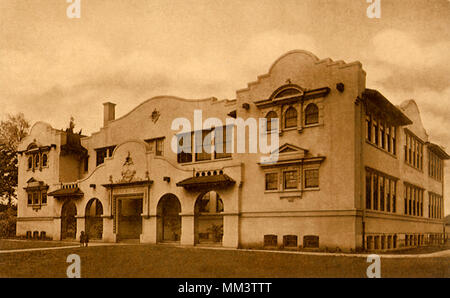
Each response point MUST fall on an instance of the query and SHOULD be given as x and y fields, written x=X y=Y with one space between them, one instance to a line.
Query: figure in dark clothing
x=82 y=239
x=86 y=239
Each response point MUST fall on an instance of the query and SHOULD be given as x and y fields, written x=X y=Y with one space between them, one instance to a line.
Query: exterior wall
x=334 y=211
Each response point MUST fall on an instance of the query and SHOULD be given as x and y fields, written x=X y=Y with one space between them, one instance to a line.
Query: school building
x=353 y=170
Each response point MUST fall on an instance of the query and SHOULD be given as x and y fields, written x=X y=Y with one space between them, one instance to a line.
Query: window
x=290 y=118
x=290 y=240
x=271 y=115
x=36 y=161
x=44 y=198
x=413 y=151
x=368 y=127
x=380 y=132
x=203 y=145
x=435 y=204
x=311 y=178
x=102 y=153
x=380 y=191
x=271 y=181
x=290 y=179
x=184 y=153
x=44 y=160
x=30 y=162
x=311 y=114
x=37 y=197
x=270 y=240
x=222 y=140
x=435 y=166
x=159 y=147
x=413 y=200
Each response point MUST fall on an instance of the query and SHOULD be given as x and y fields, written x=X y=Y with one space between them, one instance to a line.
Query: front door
x=129 y=218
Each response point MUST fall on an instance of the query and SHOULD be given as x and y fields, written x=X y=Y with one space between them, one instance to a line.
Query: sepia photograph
x=223 y=147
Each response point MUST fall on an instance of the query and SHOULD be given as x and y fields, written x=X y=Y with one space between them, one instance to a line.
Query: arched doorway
x=169 y=219
x=68 y=220
x=208 y=218
x=93 y=219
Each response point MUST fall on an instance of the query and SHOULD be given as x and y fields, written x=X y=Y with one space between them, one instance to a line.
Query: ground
x=134 y=260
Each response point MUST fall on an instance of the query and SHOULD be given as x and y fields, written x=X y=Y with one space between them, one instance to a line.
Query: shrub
x=8 y=223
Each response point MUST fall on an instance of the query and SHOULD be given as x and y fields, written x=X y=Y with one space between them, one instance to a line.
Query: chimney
x=109 y=113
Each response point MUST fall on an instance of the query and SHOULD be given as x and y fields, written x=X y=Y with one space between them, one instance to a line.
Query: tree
x=12 y=132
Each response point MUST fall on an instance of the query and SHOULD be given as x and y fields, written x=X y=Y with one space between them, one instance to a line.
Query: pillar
x=187 y=229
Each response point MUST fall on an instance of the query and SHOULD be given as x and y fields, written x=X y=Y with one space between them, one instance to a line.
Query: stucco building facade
x=353 y=170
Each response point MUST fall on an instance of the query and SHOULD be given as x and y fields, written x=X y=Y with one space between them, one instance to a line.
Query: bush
x=8 y=222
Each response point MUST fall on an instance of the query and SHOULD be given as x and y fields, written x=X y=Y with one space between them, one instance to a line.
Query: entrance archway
x=169 y=219
x=129 y=218
x=208 y=218
x=93 y=219
x=68 y=220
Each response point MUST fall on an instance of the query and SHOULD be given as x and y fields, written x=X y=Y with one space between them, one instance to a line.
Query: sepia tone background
x=126 y=51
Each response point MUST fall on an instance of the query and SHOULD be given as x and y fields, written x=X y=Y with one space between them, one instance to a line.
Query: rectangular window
x=35 y=198
x=368 y=128
x=382 y=193
x=375 y=131
x=388 y=138
x=383 y=136
x=312 y=178
x=271 y=181
x=222 y=140
x=203 y=145
x=30 y=199
x=394 y=196
x=394 y=142
x=159 y=147
x=184 y=149
x=44 y=198
x=375 y=192
x=368 y=190
x=413 y=151
x=290 y=179
x=388 y=195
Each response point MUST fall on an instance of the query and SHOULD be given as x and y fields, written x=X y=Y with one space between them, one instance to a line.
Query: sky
x=125 y=51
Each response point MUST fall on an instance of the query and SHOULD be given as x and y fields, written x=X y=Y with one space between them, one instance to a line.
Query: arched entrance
x=93 y=219
x=169 y=219
x=68 y=220
x=208 y=218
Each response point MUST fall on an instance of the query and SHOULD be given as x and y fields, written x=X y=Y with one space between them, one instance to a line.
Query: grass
x=166 y=261
x=7 y=244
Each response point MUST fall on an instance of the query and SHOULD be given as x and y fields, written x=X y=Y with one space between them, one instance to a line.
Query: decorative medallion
x=128 y=170
x=155 y=115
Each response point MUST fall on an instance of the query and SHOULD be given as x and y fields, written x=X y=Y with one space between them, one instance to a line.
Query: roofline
x=386 y=104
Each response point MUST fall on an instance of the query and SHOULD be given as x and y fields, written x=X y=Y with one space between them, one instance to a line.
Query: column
x=231 y=230
x=187 y=229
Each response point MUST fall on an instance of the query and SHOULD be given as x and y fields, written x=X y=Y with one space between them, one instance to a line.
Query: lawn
x=168 y=261
x=8 y=244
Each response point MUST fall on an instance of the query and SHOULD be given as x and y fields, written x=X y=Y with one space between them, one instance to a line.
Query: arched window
x=311 y=114
x=30 y=162
x=44 y=160
x=36 y=161
x=290 y=118
x=271 y=115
